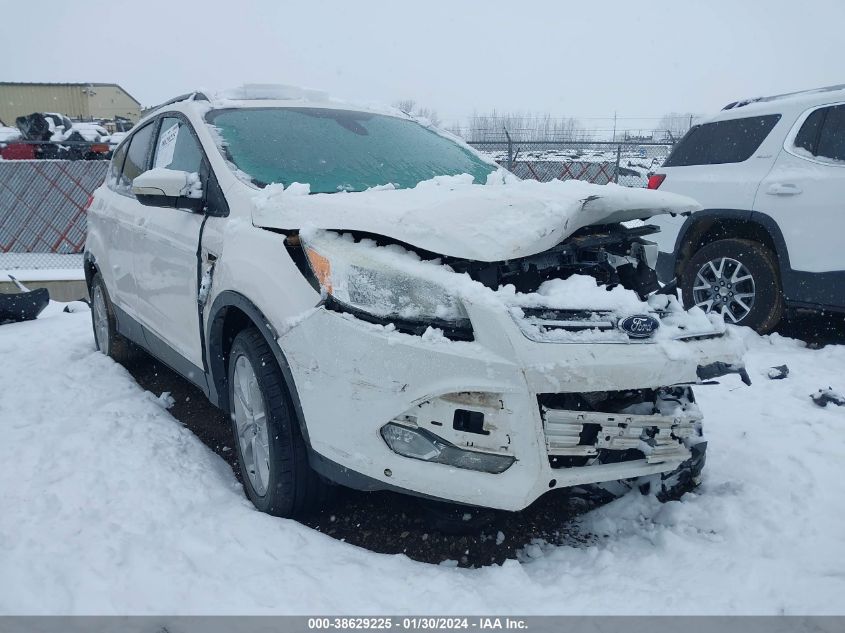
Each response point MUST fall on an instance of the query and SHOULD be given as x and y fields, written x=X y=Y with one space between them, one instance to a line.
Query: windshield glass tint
x=731 y=141
x=338 y=150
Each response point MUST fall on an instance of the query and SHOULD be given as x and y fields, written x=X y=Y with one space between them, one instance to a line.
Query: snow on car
x=9 y=134
x=414 y=305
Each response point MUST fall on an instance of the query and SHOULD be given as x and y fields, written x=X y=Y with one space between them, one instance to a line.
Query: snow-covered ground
x=109 y=505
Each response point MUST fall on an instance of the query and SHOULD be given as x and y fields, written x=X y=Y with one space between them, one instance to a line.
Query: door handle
x=783 y=189
x=140 y=221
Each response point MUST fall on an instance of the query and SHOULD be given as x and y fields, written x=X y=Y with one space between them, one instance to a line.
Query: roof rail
x=190 y=96
x=745 y=102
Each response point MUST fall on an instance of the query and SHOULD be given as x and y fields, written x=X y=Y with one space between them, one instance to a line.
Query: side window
x=136 y=157
x=176 y=147
x=808 y=135
x=822 y=135
x=116 y=166
x=832 y=136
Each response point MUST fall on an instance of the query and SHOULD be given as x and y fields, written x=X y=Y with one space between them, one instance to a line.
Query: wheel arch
x=232 y=312
x=704 y=227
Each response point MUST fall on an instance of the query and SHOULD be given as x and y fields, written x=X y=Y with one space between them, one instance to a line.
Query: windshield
x=338 y=150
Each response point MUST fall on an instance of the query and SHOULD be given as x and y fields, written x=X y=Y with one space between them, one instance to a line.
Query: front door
x=165 y=256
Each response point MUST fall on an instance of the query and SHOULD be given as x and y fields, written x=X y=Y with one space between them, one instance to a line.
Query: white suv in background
x=377 y=305
x=770 y=175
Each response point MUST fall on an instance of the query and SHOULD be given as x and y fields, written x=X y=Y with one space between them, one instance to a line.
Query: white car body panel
x=112 y=224
x=351 y=377
x=165 y=270
x=806 y=197
x=391 y=373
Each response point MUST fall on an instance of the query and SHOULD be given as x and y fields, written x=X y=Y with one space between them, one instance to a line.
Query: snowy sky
x=585 y=59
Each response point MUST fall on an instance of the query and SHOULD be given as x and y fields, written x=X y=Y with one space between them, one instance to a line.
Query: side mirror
x=169 y=188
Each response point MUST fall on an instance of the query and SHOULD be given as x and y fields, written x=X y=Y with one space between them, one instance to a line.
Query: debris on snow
x=779 y=372
x=828 y=395
x=77 y=306
x=165 y=400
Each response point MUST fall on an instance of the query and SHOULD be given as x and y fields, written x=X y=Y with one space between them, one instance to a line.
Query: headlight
x=386 y=282
x=418 y=443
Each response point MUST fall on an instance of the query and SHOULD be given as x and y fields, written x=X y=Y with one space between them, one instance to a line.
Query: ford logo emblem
x=639 y=325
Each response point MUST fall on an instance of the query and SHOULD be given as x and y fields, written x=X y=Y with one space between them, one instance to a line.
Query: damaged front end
x=564 y=368
x=613 y=254
x=647 y=426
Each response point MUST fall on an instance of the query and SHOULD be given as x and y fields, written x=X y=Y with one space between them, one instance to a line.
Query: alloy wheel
x=724 y=285
x=251 y=425
x=101 y=319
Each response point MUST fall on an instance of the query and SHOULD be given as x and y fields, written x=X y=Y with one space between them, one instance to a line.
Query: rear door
x=805 y=190
x=165 y=256
x=118 y=219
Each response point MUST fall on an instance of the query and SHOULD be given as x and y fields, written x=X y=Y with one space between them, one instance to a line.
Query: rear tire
x=271 y=451
x=737 y=278
x=106 y=338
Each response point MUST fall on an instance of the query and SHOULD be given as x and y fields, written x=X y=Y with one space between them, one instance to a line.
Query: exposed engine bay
x=612 y=253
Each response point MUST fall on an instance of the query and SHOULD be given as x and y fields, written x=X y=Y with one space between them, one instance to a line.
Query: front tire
x=106 y=338
x=738 y=279
x=272 y=454
x=669 y=486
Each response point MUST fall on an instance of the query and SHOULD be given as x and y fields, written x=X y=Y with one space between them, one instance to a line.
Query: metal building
x=78 y=101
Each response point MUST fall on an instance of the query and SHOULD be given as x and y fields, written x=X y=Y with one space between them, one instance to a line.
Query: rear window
x=722 y=141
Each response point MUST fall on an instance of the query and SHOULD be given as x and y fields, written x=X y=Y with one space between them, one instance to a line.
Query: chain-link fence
x=42 y=202
x=42 y=211
x=624 y=162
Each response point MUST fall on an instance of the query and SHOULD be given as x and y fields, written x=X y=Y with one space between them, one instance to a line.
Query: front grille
x=550 y=325
x=572 y=320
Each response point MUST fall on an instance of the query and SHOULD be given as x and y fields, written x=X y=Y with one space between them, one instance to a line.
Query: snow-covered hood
x=504 y=219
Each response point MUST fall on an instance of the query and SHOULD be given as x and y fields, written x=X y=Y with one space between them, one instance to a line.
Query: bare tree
x=675 y=124
x=410 y=106
x=406 y=105
x=523 y=126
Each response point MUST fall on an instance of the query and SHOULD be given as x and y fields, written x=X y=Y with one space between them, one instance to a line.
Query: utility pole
x=614 y=126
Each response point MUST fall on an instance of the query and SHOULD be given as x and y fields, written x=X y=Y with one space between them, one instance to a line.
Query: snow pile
x=116 y=138
x=111 y=506
x=582 y=292
x=449 y=215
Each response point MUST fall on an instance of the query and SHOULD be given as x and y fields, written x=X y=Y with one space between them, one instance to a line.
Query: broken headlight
x=387 y=282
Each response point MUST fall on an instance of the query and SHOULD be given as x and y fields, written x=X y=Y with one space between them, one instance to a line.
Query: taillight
x=100 y=148
x=655 y=180
x=89 y=203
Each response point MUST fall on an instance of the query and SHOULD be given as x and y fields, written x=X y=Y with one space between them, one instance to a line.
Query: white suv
x=394 y=311
x=770 y=174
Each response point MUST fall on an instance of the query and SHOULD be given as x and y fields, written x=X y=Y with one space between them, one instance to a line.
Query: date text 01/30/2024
x=417 y=623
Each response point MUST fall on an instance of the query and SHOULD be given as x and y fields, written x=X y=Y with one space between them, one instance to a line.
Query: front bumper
x=353 y=377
